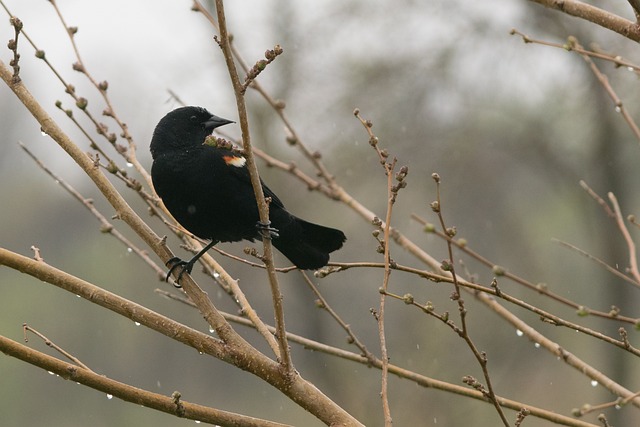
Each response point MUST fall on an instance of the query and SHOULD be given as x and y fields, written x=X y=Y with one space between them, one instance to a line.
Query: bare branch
x=263 y=208
x=13 y=46
x=633 y=259
x=604 y=81
x=388 y=167
x=573 y=45
x=598 y=261
x=405 y=373
x=109 y=111
x=129 y=393
x=105 y=225
x=540 y=288
x=54 y=346
x=449 y=265
x=595 y=15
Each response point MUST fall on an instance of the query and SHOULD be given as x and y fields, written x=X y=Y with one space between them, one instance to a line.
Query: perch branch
x=263 y=207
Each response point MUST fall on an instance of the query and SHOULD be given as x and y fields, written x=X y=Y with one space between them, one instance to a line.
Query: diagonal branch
x=244 y=357
x=633 y=259
x=130 y=153
x=105 y=225
x=601 y=17
x=169 y=404
x=604 y=81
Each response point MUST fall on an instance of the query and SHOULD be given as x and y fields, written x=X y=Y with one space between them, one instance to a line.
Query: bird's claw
x=266 y=231
x=174 y=263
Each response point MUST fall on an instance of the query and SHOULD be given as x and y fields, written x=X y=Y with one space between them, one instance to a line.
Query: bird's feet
x=266 y=231
x=186 y=266
x=175 y=262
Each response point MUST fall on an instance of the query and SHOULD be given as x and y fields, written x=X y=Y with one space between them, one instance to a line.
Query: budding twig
x=13 y=46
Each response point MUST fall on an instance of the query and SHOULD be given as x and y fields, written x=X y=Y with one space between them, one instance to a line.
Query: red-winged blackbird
x=208 y=190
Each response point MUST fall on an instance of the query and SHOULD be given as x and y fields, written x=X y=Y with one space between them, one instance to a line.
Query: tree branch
x=263 y=207
x=598 y=16
x=168 y=404
x=369 y=360
x=633 y=259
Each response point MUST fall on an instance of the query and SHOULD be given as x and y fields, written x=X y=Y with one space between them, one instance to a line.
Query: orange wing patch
x=236 y=161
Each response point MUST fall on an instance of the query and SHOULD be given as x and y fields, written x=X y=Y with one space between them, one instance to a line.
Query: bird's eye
x=193 y=119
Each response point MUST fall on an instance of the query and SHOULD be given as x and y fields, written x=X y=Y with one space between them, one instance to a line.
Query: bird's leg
x=187 y=266
x=266 y=231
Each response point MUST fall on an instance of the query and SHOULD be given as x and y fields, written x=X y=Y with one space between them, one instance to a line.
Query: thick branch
x=370 y=360
x=244 y=357
x=598 y=16
x=126 y=392
x=129 y=309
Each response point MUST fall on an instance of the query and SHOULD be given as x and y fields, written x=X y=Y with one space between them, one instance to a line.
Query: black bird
x=208 y=191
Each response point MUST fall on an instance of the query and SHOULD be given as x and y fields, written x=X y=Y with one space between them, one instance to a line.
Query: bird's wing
x=268 y=193
x=237 y=164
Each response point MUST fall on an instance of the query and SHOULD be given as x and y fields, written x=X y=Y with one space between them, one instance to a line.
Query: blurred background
x=510 y=127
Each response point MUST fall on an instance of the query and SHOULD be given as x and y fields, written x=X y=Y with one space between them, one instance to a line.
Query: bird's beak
x=214 y=122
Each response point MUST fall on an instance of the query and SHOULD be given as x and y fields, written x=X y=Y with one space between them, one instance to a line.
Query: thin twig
x=54 y=346
x=384 y=354
x=600 y=262
x=130 y=153
x=617 y=60
x=604 y=81
x=448 y=265
x=324 y=304
x=392 y=193
x=597 y=198
x=574 y=45
x=105 y=225
x=540 y=288
x=633 y=260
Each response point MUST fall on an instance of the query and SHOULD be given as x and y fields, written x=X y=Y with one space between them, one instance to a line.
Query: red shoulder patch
x=237 y=161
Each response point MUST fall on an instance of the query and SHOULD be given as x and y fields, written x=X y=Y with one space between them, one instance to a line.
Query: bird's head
x=184 y=127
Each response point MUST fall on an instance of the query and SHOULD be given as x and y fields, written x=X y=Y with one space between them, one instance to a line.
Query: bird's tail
x=306 y=245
